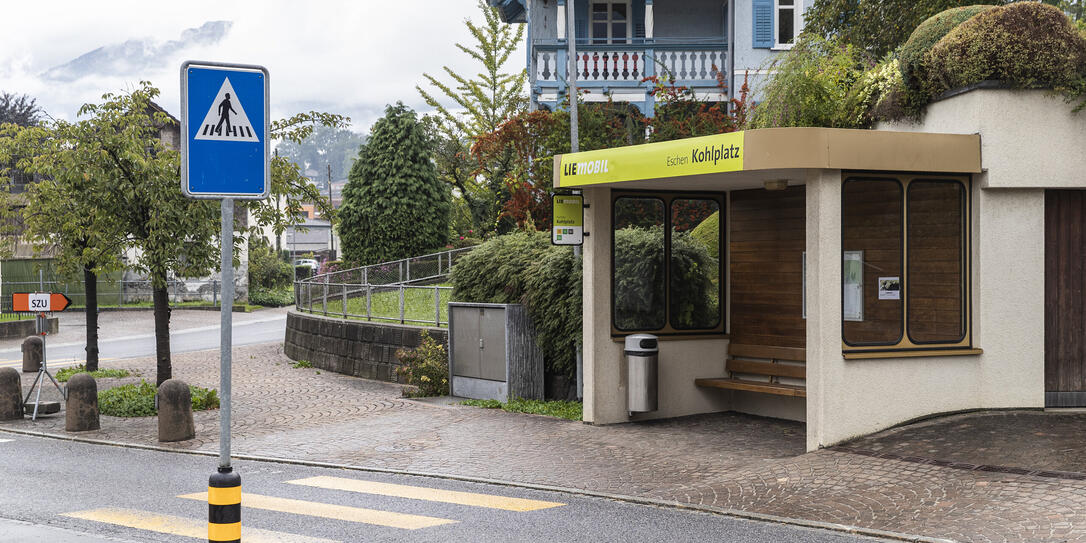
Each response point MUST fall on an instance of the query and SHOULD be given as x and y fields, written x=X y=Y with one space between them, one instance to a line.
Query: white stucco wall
x=1029 y=138
x=1026 y=139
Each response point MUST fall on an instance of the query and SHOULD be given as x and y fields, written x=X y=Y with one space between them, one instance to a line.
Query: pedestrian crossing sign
x=225 y=149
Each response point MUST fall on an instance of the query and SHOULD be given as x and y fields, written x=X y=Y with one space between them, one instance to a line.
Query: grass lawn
x=553 y=408
x=385 y=306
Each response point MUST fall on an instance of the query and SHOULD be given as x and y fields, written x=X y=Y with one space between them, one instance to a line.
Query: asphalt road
x=62 y=491
x=130 y=334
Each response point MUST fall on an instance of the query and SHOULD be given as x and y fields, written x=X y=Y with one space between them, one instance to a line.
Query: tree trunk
x=90 y=286
x=162 y=332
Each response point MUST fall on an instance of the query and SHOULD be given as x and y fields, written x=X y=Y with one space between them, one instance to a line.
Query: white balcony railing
x=605 y=65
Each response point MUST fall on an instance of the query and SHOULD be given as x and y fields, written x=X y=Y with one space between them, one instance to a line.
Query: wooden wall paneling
x=766 y=244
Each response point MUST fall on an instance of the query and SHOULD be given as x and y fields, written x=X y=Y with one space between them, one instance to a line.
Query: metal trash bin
x=642 y=361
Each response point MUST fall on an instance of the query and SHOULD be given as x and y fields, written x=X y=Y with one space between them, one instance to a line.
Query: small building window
x=610 y=22
x=910 y=235
x=666 y=251
x=786 y=22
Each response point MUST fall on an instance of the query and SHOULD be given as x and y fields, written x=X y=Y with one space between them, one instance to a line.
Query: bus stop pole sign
x=225 y=155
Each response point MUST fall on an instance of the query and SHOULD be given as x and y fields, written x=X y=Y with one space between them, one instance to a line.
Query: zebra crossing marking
x=490 y=501
x=226 y=119
x=336 y=512
x=184 y=527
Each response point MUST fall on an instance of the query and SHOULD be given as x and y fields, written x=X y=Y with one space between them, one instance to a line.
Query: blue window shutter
x=638 y=8
x=763 y=24
x=581 y=12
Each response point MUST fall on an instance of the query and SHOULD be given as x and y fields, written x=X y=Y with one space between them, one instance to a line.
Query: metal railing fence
x=393 y=291
x=405 y=304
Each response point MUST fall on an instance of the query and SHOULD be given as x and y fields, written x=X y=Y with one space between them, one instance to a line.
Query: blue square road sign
x=225 y=149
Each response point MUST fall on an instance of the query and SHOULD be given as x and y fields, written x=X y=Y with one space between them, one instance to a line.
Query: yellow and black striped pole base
x=224 y=507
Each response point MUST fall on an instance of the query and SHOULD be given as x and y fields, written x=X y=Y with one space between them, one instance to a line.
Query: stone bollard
x=11 y=395
x=81 y=411
x=32 y=354
x=175 y=411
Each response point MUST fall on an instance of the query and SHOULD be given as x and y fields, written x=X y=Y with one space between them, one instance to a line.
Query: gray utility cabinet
x=492 y=352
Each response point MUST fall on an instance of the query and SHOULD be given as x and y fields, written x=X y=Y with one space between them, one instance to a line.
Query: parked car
x=306 y=262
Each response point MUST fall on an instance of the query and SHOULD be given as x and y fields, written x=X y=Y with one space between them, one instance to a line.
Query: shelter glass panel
x=936 y=226
x=695 y=279
x=873 y=222
x=638 y=255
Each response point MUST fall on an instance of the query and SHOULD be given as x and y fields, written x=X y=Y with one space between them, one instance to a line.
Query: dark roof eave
x=511 y=11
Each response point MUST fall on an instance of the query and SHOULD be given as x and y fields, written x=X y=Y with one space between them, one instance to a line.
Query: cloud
x=350 y=57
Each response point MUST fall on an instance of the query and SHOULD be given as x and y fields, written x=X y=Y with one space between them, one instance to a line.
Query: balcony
x=693 y=63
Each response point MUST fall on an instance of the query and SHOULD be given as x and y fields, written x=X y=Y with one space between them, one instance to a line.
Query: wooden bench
x=765 y=364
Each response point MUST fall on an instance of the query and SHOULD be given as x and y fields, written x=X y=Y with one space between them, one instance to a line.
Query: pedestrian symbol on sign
x=226 y=119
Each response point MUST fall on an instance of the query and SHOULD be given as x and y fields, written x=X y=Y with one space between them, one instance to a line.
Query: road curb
x=735 y=513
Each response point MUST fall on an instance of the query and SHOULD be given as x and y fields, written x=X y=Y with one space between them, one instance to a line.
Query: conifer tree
x=394 y=204
x=476 y=105
x=491 y=96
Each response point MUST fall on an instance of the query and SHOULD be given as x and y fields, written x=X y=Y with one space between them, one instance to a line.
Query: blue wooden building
x=708 y=46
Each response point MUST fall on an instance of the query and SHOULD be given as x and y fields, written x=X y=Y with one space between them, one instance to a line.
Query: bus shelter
x=845 y=278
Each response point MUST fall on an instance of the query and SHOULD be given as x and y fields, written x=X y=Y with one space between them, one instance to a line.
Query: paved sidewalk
x=723 y=461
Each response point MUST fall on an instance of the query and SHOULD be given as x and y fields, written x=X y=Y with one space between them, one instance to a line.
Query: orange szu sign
x=39 y=302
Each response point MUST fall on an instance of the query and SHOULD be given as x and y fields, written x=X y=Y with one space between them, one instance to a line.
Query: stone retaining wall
x=359 y=348
x=20 y=329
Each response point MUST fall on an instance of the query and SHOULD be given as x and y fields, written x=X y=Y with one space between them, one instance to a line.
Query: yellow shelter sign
x=692 y=156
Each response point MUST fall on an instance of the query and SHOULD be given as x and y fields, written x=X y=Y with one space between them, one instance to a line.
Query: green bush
x=523 y=267
x=494 y=271
x=927 y=34
x=1025 y=44
x=552 y=293
x=266 y=270
x=272 y=297
x=880 y=94
x=64 y=374
x=425 y=367
x=138 y=400
x=810 y=86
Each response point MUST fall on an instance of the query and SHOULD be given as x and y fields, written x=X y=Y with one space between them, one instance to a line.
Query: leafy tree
x=289 y=187
x=171 y=234
x=810 y=85
x=394 y=205
x=876 y=27
x=477 y=105
x=21 y=110
x=492 y=96
x=326 y=145
x=63 y=210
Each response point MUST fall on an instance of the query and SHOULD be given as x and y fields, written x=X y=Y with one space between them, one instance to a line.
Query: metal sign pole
x=227 y=315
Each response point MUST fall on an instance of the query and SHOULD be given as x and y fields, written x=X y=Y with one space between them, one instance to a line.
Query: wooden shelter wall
x=766 y=243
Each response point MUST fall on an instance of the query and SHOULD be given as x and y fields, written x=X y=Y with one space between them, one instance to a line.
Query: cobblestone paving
x=722 y=460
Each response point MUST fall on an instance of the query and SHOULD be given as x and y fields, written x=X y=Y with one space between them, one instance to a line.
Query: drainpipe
x=532 y=102
x=574 y=144
x=731 y=55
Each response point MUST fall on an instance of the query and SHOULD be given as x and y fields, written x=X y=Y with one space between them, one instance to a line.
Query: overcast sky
x=349 y=57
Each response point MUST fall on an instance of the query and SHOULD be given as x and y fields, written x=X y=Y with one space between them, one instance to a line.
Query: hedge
x=1026 y=44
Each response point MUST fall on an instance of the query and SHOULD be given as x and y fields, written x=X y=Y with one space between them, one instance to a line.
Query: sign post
x=40 y=303
x=225 y=155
